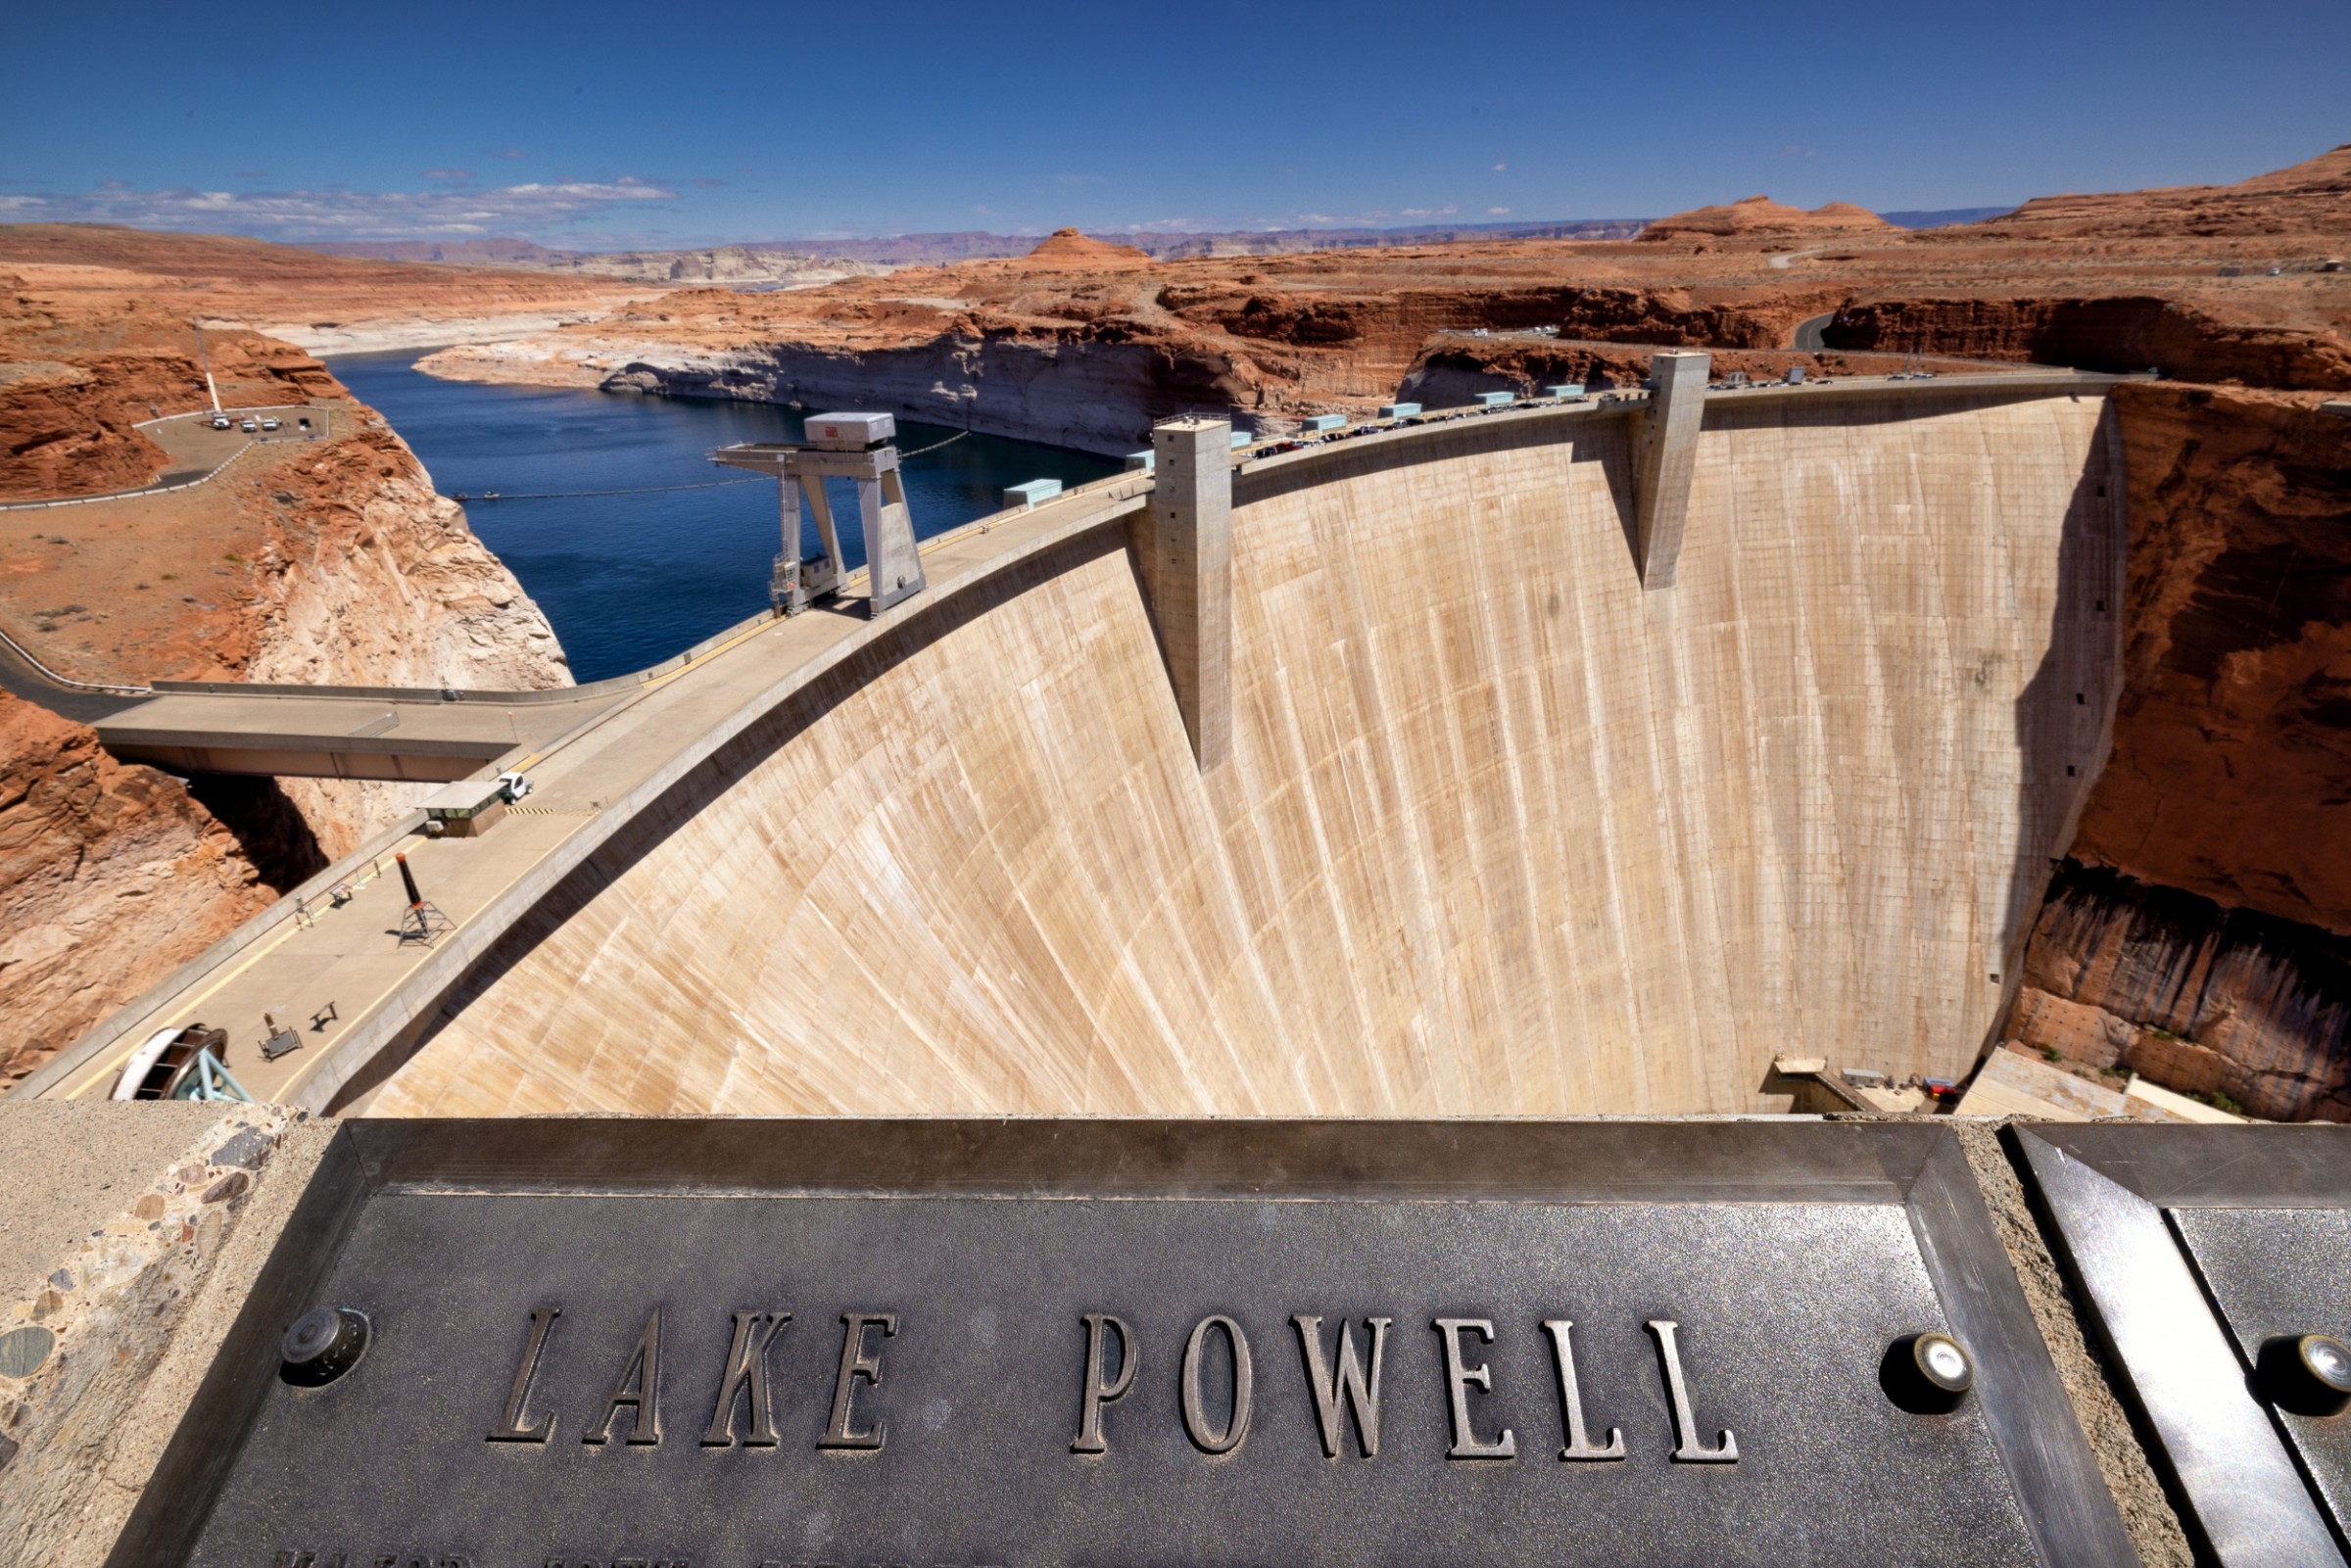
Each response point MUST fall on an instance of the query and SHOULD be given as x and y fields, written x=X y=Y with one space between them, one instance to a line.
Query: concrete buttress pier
x=1666 y=456
x=1183 y=545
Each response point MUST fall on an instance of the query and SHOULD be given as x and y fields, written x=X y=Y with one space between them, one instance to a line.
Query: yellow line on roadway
x=294 y=925
x=736 y=641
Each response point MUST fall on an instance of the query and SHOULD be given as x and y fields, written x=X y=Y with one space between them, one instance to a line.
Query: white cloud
x=1499 y=167
x=341 y=214
x=1498 y=211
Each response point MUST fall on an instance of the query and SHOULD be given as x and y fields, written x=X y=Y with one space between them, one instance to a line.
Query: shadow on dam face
x=1500 y=834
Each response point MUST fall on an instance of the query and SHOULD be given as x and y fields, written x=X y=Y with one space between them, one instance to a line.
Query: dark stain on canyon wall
x=2197 y=997
x=2202 y=934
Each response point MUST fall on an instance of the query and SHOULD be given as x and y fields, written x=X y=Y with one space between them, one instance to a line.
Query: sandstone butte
x=1762 y=217
x=2200 y=931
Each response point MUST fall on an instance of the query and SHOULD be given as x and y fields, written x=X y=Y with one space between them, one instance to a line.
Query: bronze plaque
x=735 y=1344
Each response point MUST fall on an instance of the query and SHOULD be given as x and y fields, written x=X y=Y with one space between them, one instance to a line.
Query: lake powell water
x=627 y=580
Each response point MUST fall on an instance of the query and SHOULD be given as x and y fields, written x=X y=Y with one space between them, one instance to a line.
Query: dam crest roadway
x=1503 y=819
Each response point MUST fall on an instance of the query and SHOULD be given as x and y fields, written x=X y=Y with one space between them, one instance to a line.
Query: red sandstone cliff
x=2310 y=201
x=2230 y=776
x=307 y=561
x=110 y=876
x=2219 y=959
x=1090 y=358
x=2120 y=333
x=2200 y=998
x=74 y=384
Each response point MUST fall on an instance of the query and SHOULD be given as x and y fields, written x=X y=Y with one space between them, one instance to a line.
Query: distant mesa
x=1067 y=247
x=1760 y=215
x=2308 y=203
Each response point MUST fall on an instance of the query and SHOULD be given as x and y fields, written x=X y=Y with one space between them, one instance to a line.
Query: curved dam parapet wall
x=1502 y=832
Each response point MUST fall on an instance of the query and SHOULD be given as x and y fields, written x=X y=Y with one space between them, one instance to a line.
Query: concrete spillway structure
x=1500 y=831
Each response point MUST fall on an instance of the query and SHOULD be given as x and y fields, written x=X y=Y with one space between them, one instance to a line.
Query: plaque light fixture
x=1927 y=1373
x=2308 y=1374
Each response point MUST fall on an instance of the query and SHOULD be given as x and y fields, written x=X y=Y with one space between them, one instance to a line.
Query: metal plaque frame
x=2106 y=1189
x=1921 y=1168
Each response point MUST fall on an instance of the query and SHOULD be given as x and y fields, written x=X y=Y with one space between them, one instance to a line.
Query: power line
x=934 y=445
x=657 y=490
x=581 y=494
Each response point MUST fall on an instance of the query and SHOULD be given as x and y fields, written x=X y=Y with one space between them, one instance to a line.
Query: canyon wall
x=1502 y=832
x=2117 y=333
x=2244 y=1010
x=328 y=561
x=73 y=391
x=110 y=876
x=371 y=578
x=1086 y=362
x=2216 y=962
x=1099 y=396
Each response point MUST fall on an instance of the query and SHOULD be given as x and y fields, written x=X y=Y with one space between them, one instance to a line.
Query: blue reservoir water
x=629 y=580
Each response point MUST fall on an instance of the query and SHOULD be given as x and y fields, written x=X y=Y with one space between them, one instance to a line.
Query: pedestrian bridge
x=1457 y=775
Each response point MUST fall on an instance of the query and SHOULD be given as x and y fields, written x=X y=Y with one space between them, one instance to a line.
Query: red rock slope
x=110 y=877
x=2310 y=199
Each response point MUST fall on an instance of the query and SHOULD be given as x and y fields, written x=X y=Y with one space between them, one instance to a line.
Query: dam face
x=1500 y=832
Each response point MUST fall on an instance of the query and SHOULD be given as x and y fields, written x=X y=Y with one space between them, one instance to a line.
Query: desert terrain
x=1085 y=342
x=302 y=560
x=321 y=303
x=2198 y=932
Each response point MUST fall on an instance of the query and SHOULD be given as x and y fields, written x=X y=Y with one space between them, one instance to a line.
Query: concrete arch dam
x=1501 y=831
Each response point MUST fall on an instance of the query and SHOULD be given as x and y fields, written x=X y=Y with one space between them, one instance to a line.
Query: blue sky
x=688 y=125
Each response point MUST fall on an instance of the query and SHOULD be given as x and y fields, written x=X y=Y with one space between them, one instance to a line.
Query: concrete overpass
x=278 y=733
x=1878 y=582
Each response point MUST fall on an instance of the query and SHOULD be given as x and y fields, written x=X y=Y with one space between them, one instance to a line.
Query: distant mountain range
x=971 y=245
x=916 y=249
x=779 y=263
